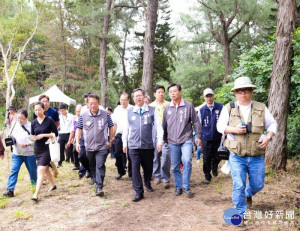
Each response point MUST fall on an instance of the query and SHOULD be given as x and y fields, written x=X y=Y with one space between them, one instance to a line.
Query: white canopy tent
x=55 y=95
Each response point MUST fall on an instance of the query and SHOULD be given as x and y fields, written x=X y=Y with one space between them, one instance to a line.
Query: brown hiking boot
x=249 y=202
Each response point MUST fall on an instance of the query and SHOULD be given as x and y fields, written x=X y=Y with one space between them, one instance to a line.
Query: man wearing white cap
x=245 y=122
x=210 y=137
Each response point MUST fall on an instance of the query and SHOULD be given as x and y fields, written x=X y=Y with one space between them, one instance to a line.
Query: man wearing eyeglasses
x=245 y=122
x=137 y=135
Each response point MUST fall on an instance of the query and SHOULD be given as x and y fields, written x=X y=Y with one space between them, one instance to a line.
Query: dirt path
x=75 y=207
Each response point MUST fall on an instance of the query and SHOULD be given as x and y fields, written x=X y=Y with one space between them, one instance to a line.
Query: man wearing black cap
x=66 y=126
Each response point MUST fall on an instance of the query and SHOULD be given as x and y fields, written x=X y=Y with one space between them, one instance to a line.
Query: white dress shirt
x=157 y=125
x=270 y=122
x=120 y=116
x=66 y=123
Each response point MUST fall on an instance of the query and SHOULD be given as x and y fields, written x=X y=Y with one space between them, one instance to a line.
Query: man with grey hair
x=245 y=122
x=137 y=137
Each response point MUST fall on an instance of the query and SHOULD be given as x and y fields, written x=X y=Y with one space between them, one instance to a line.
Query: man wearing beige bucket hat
x=245 y=122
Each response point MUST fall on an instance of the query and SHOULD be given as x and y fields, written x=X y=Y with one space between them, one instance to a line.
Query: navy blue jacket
x=209 y=121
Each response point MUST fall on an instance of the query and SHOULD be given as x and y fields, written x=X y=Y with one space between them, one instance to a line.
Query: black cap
x=62 y=106
x=11 y=107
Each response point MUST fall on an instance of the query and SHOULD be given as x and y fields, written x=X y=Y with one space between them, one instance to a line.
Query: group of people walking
x=157 y=137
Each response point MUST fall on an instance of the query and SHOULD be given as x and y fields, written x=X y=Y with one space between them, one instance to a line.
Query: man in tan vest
x=245 y=122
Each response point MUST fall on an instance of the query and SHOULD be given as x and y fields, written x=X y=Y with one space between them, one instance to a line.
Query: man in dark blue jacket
x=210 y=137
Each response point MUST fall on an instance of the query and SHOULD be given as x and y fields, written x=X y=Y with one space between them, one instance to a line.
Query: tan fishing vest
x=247 y=144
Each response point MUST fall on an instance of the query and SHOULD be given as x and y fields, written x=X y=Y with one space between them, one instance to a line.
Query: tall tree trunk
x=64 y=46
x=228 y=70
x=148 y=59
x=276 y=154
x=125 y=77
x=103 y=51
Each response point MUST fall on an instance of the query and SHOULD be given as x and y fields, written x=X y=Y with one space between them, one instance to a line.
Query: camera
x=248 y=126
x=10 y=141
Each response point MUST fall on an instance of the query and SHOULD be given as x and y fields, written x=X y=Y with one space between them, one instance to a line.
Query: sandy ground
x=74 y=206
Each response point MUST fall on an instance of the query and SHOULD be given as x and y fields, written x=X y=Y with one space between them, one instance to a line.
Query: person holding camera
x=42 y=129
x=22 y=152
x=245 y=122
x=11 y=116
x=210 y=137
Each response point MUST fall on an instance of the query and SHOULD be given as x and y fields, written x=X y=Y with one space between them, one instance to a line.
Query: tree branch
x=236 y=8
x=230 y=38
x=143 y=4
x=208 y=7
x=211 y=29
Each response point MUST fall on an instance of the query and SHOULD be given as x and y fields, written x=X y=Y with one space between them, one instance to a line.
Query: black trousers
x=75 y=155
x=119 y=154
x=97 y=165
x=144 y=158
x=210 y=157
x=63 y=140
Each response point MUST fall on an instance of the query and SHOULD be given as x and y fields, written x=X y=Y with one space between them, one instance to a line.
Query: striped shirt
x=109 y=121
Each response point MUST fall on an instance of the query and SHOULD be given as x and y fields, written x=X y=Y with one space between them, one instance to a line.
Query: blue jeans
x=240 y=166
x=162 y=164
x=198 y=152
x=182 y=153
x=16 y=162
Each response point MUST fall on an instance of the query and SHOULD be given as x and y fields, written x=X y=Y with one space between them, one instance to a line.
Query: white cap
x=208 y=91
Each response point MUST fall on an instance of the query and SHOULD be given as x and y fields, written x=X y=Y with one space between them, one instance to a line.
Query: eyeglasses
x=245 y=90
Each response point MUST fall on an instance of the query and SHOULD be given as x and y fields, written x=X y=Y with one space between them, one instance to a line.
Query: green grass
x=22 y=215
x=3 y=202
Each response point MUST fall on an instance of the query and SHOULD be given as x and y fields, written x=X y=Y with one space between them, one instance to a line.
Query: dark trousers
x=85 y=164
x=119 y=154
x=125 y=157
x=63 y=140
x=210 y=157
x=75 y=155
x=97 y=165
x=144 y=158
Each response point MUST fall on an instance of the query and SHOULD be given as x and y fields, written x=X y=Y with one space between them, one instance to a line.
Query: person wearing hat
x=245 y=122
x=210 y=137
x=11 y=116
x=66 y=127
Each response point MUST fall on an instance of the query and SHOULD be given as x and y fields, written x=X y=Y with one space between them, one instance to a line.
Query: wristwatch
x=270 y=137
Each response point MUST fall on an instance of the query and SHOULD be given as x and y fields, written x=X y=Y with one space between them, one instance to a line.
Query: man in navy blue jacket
x=210 y=137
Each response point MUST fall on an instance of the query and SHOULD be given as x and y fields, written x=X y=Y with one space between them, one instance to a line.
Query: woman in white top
x=22 y=152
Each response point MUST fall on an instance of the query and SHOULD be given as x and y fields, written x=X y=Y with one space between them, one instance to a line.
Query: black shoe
x=119 y=176
x=138 y=197
x=87 y=174
x=249 y=202
x=76 y=168
x=34 y=199
x=149 y=189
x=206 y=181
x=215 y=173
x=80 y=175
x=59 y=165
x=99 y=192
x=8 y=193
x=53 y=188
x=93 y=182
x=178 y=191
x=188 y=192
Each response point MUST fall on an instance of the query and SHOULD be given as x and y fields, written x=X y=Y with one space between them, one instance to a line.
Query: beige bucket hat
x=242 y=82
